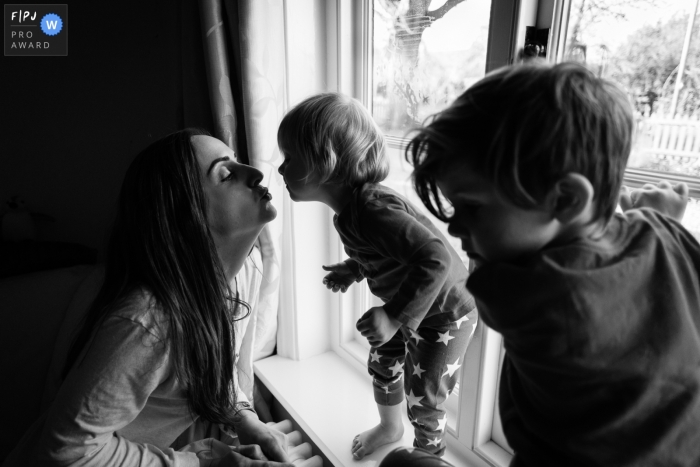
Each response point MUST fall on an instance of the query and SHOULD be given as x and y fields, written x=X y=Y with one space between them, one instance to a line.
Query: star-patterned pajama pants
x=424 y=365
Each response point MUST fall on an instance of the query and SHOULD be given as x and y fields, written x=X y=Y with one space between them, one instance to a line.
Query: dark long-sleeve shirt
x=407 y=262
x=602 y=340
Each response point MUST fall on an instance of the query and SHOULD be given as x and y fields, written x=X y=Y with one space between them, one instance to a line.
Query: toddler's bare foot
x=367 y=441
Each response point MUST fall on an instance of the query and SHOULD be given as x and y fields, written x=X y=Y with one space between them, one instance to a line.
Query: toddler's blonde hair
x=337 y=139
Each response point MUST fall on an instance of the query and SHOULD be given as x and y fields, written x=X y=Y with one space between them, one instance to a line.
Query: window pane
x=425 y=54
x=691 y=219
x=640 y=45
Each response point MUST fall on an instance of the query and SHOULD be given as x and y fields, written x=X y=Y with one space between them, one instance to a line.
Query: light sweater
x=122 y=404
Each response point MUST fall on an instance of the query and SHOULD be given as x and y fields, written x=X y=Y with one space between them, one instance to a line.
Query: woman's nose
x=280 y=169
x=254 y=176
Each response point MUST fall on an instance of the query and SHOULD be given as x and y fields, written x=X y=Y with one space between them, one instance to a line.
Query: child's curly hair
x=526 y=126
x=337 y=139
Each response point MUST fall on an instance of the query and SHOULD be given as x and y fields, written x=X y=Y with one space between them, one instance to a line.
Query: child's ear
x=571 y=198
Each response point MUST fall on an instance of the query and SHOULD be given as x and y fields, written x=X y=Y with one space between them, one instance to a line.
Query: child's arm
x=377 y=327
x=668 y=199
x=342 y=275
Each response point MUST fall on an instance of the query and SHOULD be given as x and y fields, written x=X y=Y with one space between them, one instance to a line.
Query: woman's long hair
x=161 y=242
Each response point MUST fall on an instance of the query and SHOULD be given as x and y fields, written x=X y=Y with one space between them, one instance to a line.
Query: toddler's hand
x=340 y=278
x=663 y=197
x=377 y=326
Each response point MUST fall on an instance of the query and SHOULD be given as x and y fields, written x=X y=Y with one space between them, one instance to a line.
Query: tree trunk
x=409 y=28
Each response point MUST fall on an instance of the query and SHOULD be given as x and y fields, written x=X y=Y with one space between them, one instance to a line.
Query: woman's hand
x=377 y=327
x=246 y=456
x=663 y=197
x=251 y=430
x=340 y=277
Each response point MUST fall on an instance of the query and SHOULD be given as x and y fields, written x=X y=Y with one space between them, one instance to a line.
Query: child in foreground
x=334 y=153
x=599 y=311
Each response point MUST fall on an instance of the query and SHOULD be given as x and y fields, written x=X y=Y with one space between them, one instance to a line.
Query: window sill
x=332 y=401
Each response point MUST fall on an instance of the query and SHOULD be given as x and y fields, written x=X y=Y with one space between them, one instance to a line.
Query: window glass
x=425 y=54
x=691 y=219
x=652 y=49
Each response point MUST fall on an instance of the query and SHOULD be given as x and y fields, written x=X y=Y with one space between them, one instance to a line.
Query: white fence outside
x=677 y=139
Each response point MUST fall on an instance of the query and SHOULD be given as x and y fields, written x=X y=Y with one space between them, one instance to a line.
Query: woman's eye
x=227 y=175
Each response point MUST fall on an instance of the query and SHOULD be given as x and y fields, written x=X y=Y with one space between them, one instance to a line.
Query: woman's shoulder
x=140 y=308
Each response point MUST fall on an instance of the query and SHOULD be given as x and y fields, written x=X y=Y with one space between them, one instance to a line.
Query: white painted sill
x=332 y=401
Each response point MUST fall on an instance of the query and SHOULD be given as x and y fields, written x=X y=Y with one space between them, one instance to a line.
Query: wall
x=71 y=125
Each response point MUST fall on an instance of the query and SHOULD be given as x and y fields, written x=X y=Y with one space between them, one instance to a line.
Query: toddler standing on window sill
x=334 y=153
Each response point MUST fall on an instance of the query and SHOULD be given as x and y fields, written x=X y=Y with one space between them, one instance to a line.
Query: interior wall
x=71 y=125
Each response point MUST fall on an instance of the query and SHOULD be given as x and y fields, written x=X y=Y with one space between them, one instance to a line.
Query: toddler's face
x=294 y=171
x=490 y=226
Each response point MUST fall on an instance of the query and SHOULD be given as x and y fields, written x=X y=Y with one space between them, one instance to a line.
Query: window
x=651 y=48
x=424 y=55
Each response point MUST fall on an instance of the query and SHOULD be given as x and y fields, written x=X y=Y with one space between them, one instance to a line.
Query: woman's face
x=237 y=205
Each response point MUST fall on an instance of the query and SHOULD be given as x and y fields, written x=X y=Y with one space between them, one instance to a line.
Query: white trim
x=488 y=380
x=364 y=44
x=346 y=24
x=332 y=47
x=558 y=31
x=494 y=454
x=308 y=388
x=346 y=345
x=285 y=8
x=288 y=332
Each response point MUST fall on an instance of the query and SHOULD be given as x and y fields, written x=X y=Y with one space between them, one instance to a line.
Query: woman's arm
x=251 y=430
x=103 y=393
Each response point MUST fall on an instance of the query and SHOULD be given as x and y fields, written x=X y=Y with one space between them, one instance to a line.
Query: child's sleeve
x=355 y=268
x=397 y=234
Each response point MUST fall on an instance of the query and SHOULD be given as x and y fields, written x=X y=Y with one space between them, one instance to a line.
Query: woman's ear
x=571 y=199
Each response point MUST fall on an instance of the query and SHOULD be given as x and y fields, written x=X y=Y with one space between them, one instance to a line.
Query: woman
x=157 y=349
